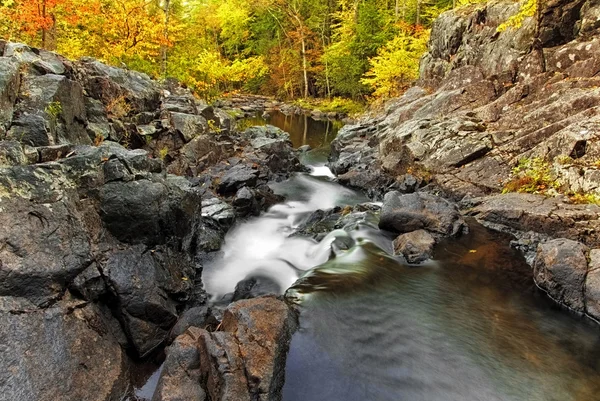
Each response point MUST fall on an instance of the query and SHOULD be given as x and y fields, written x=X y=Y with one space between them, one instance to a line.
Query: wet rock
x=236 y=178
x=71 y=352
x=410 y=212
x=416 y=246
x=560 y=269
x=180 y=376
x=245 y=202
x=219 y=211
x=254 y=287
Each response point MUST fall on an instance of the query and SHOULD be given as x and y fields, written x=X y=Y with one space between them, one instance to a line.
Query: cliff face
x=488 y=98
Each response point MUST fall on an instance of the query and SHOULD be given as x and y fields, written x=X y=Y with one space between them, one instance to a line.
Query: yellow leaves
x=397 y=63
x=514 y=22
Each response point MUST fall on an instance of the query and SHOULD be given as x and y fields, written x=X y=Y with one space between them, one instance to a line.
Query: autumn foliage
x=287 y=48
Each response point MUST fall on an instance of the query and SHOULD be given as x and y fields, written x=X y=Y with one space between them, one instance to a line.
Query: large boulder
x=149 y=210
x=263 y=328
x=244 y=360
x=405 y=213
x=68 y=352
x=149 y=285
x=45 y=239
x=560 y=269
x=222 y=367
x=123 y=92
x=61 y=239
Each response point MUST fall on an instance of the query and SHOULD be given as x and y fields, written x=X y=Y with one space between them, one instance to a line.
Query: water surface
x=303 y=129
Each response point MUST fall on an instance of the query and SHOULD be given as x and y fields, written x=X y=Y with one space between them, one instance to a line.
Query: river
x=468 y=325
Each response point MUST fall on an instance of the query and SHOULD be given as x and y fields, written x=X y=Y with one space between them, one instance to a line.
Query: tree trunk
x=418 y=19
x=304 y=64
x=327 y=85
x=42 y=12
x=165 y=45
x=397 y=10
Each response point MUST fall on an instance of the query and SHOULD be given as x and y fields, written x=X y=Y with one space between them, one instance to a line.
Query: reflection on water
x=466 y=327
x=303 y=129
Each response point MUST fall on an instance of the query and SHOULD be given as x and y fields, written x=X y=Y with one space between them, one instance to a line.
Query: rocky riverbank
x=113 y=188
x=497 y=110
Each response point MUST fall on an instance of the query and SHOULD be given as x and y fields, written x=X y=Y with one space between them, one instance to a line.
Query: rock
x=219 y=211
x=51 y=111
x=560 y=269
x=517 y=212
x=222 y=367
x=11 y=154
x=188 y=126
x=410 y=212
x=592 y=285
x=263 y=328
x=149 y=210
x=71 y=352
x=149 y=285
x=246 y=360
x=416 y=246
x=199 y=316
x=180 y=376
x=123 y=92
x=254 y=287
x=10 y=80
x=47 y=243
x=245 y=202
x=558 y=19
x=219 y=117
x=237 y=177
x=39 y=61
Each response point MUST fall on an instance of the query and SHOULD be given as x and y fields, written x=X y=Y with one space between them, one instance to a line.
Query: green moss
x=53 y=109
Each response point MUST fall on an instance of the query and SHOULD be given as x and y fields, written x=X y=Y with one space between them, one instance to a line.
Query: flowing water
x=467 y=326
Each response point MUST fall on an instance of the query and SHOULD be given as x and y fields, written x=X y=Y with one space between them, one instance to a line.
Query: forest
x=355 y=49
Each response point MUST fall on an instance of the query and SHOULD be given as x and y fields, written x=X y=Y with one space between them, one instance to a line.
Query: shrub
x=531 y=176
